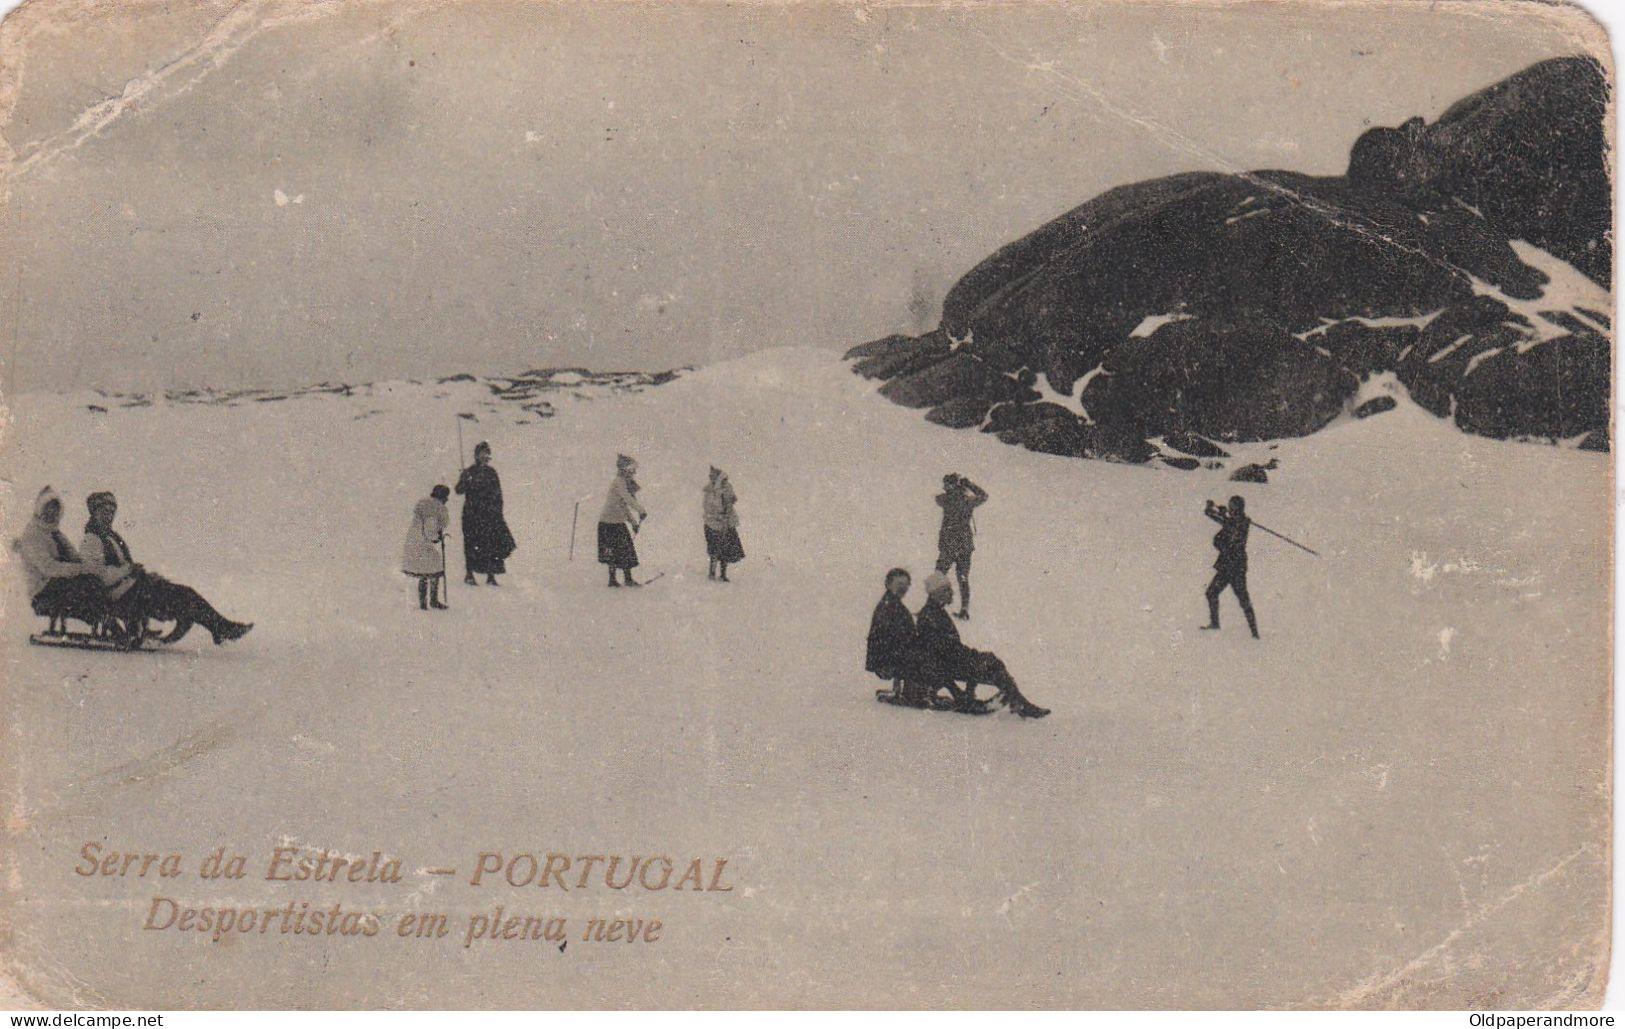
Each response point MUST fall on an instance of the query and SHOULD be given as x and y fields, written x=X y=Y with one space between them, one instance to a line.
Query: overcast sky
x=387 y=190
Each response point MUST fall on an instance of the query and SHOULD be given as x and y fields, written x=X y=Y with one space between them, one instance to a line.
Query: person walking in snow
x=959 y=500
x=140 y=594
x=486 y=539
x=940 y=659
x=890 y=645
x=722 y=545
x=621 y=517
x=422 y=555
x=1230 y=569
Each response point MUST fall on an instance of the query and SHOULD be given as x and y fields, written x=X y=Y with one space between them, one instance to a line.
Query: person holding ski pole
x=423 y=556
x=959 y=500
x=1230 y=569
x=621 y=517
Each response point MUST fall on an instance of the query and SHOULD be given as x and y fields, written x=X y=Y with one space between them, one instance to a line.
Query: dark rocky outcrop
x=1247 y=307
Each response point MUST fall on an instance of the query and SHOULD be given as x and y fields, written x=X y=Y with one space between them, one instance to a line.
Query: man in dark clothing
x=959 y=500
x=941 y=660
x=1231 y=567
x=891 y=633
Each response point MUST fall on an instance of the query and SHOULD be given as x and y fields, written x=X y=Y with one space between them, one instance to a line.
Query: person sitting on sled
x=139 y=594
x=60 y=585
x=941 y=660
x=891 y=633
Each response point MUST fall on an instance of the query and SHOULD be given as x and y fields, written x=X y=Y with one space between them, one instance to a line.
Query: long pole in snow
x=1278 y=536
x=461 y=463
x=445 y=583
x=573 y=518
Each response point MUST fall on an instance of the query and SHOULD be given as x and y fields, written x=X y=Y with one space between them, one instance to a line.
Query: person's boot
x=1212 y=613
x=1015 y=701
x=1252 y=623
x=423 y=594
x=614 y=584
x=711 y=570
x=434 y=596
x=232 y=631
x=724 y=576
x=469 y=580
x=629 y=580
x=491 y=580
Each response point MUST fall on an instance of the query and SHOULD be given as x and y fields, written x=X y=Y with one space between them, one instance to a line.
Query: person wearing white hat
x=942 y=659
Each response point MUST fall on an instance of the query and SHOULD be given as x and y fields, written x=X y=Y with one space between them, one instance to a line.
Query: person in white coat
x=422 y=556
x=621 y=517
x=60 y=584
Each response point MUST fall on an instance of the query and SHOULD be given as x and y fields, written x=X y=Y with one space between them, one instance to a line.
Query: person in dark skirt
x=722 y=545
x=486 y=539
x=621 y=517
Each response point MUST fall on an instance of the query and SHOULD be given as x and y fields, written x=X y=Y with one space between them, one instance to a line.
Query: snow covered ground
x=1373 y=806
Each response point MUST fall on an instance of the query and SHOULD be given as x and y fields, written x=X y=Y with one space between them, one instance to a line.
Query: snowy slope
x=1407 y=764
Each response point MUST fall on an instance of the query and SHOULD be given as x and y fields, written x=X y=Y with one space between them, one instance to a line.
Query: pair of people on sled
x=100 y=584
x=924 y=657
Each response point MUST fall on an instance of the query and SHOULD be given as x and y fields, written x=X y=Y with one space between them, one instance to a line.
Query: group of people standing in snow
x=487 y=540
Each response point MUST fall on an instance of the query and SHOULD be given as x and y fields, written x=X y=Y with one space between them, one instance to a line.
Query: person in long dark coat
x=486 y=539
x=1230 y=569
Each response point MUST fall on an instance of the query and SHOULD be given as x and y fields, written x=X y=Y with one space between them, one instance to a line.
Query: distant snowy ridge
x=528 y=391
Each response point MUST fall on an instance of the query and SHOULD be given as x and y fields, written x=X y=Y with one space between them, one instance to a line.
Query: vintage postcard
x=548 y=503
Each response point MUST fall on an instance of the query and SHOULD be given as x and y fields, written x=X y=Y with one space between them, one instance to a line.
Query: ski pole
x=1278 y=536
x=444 y=588
x=573 y=518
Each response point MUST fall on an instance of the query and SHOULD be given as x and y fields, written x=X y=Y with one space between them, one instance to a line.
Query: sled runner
x=91 y=641
x=936 y=702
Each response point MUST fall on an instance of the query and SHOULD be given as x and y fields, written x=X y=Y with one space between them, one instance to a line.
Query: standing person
x=141 y=594
x=891 y=634
x=959 y=499
x=1230 y=569
x=486 y=539
x=942 y=659
x=421 y=555
x=722 y=545
x=622 y=515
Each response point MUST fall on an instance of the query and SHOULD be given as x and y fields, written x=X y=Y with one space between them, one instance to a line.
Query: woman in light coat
x=421 y=555
x=621 y=517
x=722 y=545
